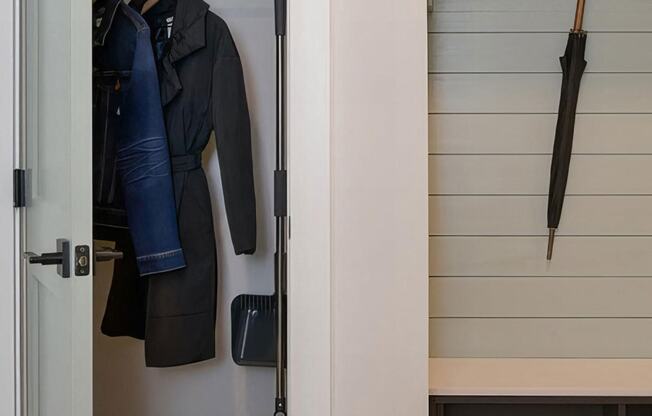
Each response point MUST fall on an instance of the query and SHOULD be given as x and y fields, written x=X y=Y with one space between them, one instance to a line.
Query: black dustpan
x=255 y=339
x=258 y=321
x=253 y=323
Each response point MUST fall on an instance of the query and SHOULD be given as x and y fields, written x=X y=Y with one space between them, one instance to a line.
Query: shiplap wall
x=494 y=90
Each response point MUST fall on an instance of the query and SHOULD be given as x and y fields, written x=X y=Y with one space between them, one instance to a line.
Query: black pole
x=281 y=12
x=280 y=212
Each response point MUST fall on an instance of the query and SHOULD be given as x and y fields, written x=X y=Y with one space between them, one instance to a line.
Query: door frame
x=343 y=256
x=315 y=61
x=9 y=216
x=309 y=247
x=315 y=364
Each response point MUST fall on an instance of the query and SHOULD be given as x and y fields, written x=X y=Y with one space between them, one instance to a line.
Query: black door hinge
x=19 y=188
x=280 y=193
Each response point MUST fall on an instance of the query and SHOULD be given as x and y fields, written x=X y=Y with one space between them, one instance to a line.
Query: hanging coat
x=202 y=92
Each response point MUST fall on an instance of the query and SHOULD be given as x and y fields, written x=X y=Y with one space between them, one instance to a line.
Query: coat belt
x=185 y=163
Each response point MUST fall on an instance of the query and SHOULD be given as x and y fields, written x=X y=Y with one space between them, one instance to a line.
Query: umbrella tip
x=551 y=242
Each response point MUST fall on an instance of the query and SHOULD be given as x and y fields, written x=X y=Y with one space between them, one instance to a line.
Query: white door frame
x=309 y=257
x=9 y=264
x=357 y=146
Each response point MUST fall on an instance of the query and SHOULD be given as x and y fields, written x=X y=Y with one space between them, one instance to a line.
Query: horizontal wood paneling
x=494 y=94
x=508 y=52
x=544 y=377
x=525 y=256
x=538 y=16
x=567 y=6
x=537 y=93
x=529 y=174
x=527 y=297
x=480 y=16
x=542 y=21
x=534 y=133
x=558 y=338
x=526 y=215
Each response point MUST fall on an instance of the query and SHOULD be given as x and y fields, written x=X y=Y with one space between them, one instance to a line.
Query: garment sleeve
x=230 y=115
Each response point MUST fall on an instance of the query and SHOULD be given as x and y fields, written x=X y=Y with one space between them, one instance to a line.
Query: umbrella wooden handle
x=579 y=16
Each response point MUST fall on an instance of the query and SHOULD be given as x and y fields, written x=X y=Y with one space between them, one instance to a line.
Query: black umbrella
x=573 y=65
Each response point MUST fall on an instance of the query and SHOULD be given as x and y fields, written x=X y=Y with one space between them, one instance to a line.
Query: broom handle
x=579 y=16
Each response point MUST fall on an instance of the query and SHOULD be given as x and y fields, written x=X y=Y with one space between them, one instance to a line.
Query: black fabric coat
x=202 y=91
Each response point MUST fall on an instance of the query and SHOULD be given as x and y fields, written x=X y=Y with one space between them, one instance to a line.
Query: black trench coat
x=202 y=91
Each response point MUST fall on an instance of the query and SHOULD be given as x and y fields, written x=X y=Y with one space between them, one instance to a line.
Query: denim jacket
x=132 y=170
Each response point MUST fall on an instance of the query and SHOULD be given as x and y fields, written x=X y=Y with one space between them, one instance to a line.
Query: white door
x=56 y=43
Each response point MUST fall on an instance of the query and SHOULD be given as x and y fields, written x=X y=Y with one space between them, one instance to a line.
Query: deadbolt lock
x=82 y=262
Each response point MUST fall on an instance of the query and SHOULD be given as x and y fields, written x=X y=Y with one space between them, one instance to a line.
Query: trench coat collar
x=188 y=36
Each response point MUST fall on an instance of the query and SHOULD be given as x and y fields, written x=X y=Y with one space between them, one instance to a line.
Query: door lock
x=82 y=262
x=61 y=258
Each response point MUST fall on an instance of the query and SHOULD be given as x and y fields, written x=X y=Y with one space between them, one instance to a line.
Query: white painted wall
x=123 y=386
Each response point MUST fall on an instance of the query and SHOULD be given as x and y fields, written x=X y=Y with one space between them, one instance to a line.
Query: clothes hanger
x=165 y=8
x=148 y=5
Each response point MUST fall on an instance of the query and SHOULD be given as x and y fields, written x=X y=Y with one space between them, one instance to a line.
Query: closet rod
x=280 y=272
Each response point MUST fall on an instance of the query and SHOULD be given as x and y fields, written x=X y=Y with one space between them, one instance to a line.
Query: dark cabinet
x=539 y=406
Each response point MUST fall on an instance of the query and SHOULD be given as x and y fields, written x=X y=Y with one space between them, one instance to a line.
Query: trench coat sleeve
x=233 y=135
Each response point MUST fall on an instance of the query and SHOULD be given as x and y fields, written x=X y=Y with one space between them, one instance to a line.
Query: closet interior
x=169 y=374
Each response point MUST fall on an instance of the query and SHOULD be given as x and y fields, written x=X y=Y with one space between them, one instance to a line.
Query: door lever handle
x=60 y=258
x=45 y=258
x=107 y=254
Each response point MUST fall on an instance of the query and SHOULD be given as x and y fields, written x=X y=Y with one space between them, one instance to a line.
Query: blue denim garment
x=131 y=124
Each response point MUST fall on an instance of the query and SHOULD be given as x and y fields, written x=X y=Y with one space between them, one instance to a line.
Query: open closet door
x=57 y=218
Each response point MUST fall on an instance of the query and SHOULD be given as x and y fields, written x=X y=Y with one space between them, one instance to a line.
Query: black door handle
x=60 y=258
x=45 y=258
x=107 y=254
